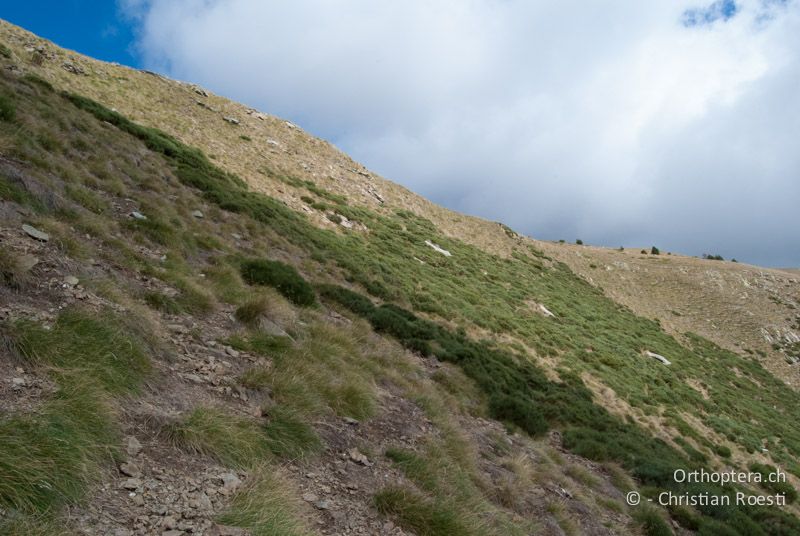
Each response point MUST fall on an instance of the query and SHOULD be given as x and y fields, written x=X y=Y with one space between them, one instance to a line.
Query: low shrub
x=7 y=109
x=282 y=277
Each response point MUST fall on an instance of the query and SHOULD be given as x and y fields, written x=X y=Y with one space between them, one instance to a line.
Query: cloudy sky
x=674 y=123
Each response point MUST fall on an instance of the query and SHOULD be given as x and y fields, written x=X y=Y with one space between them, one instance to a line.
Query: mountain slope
x=246 y=376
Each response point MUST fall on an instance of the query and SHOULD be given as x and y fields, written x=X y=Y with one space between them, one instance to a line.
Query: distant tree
x=654 y=251
x=579 y=242
x=644 y=252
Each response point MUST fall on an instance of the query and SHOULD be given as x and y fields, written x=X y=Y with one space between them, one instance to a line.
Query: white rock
x=33 y=232
x=197 y=214
x=137 y=215
x=658 y=357
x=438 y=248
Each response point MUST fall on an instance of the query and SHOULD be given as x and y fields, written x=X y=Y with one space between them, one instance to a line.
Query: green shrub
x=579 y=242
x=722 y=451
x=654 y=251
x=7 y=109
x=651 y=522
x=281 y=276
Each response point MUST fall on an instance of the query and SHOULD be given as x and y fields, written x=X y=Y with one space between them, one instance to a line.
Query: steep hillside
x=747 y=309
x=215 y=323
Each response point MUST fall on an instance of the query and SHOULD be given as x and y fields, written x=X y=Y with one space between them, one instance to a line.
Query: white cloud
x=618 y=123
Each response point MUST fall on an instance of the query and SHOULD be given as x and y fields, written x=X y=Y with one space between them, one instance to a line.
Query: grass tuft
x=265 y=507
x=414 y=512
x=233 y=441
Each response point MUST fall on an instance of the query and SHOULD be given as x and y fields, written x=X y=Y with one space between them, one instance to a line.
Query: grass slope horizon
x=581 y=369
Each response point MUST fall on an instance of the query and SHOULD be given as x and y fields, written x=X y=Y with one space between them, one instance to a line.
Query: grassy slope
x=483 y=294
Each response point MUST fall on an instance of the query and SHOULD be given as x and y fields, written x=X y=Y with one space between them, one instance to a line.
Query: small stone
x=236 y=236
x=351 y=421
x=18 y=382
x=323 y=504
x=35 y=233
x=172 y=533
x=131 y=483
x=129 y=469
x=224 y=530
x=231 y=352
x=230 y=481
x=71 y=281
x=310 y=497
x=357 y=457
x=137 y=215
x=197 y=214
x=231 y=120
x=138 y=500
x=169 y=522
x=132 y=446
x=122 y=532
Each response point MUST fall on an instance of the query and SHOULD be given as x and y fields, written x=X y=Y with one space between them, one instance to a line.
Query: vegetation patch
x=280 y=276
x=265 y=507
x=418 y=514
x=233 y=441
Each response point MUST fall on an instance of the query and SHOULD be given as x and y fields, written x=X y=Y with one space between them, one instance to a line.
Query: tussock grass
x=424 y=517
x=12 y=273
x=48 y=459
x=324 y=372
x=97 y=345
x=233 y=441
x=265 y=506
x=271 y=305
x=289 y=436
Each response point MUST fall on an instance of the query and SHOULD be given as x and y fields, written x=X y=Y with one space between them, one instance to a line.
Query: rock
x=131 y=484
x=231 y=352
x=351 y=421
x=358 y=458
x=657 y=357
x=236 y=236
x=35 y=233
x=137 y=215
x=224 y=530
x=172 y=533
x=231 y=120
x=197 y=214
x=323 y=504
x=438 y=248
x=129 y=469
x=230 y=481
x=169 y=522
x=71 y=281
x=132 y=446
x=545 y=311
x=72 y=68
x=273 y=142
x=200 y=91
x=122 y=532
x=310 y=497
x=290 y=124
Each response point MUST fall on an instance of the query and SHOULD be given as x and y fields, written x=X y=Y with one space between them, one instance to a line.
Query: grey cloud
x=615 y=123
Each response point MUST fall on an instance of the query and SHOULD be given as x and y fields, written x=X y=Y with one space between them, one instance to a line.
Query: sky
x=672 y=123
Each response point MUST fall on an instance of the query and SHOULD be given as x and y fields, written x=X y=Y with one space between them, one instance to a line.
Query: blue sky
x=94 y=28
x=667 y=122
